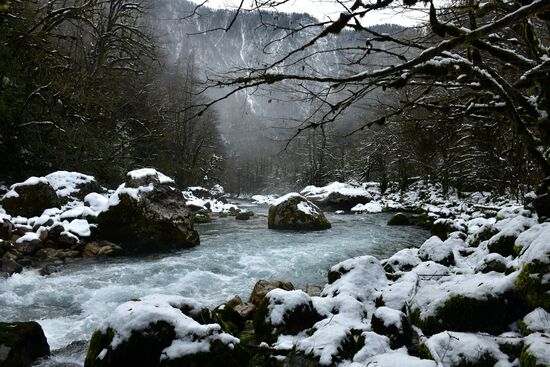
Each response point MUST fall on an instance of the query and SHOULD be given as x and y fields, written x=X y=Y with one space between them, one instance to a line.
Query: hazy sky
x=330 y=8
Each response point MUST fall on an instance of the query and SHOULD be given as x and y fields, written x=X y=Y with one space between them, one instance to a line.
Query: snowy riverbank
x=476 y=295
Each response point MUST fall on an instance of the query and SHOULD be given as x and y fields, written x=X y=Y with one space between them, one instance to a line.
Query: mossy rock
x=496 y=265
x=22 y=343
x=503 y=245
x=229 y=319
x=158 y=221
x=460 y=313
x=31 y=200
x=528 y=360
x=531 y=287
x=399 y=219
x=201 y=218
x=244 y=215
x=144 y=348
x=9 y=265
x=287 y=215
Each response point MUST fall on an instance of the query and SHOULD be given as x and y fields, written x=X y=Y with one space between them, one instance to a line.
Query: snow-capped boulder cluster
x=456 y=301
x=338 y=195
x=66 y=215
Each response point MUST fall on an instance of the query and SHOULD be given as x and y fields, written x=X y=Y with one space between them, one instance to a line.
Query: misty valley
x=274 y=183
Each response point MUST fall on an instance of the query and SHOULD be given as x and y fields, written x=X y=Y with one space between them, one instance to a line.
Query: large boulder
x=147 y=218
x=155 y=331
x=295 y=212
x=30 y=198
x=21 y=343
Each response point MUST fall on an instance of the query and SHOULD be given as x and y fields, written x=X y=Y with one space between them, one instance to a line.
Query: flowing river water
x=232 y=256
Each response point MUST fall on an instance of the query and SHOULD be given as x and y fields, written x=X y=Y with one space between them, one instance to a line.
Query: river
x=232 y=256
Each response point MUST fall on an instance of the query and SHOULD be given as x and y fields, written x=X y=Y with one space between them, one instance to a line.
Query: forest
x=104 y=86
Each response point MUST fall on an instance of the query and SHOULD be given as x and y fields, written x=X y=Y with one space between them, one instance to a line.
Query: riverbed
x=232 y=256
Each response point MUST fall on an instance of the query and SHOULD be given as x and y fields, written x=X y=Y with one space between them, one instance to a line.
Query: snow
x=148 y=172
x=453 y=348
x=374 y=344
x=433 y=294
x=134 y=193
x=527 y=237
x=370 y=207
x=308 y=208
x=66 y=183
x=436 y=250
x=538 y=345
x=80 y=227
x=398 y=358
x=28 y=182
x=27 y=237
x=512 y=227
x=191 y=337
x=539 y=249
x=538 y=320
x=264 y=199
x=405 y=259
x=283 y=302
x=215 y=205
x=332 y=332
x=286 y=197
x=78 y=212
x=389 y=317
x=320 y=193
x=352 y=282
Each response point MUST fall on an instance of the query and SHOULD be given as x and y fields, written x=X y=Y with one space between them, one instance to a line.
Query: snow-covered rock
x=337 y=195
x=147 y=218
x=295 y=212
x=72 y=184
x=284 y=313
x=465 y=349
x=465 y=302
x=30 y=198
x=154 y=331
